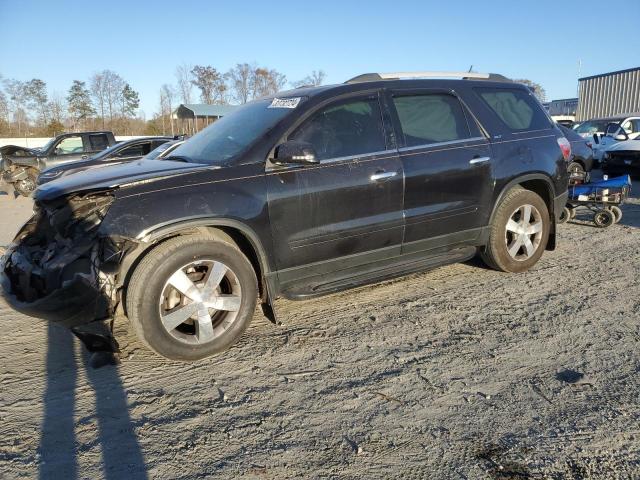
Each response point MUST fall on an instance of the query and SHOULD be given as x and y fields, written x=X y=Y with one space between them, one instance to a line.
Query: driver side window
x=342 y=129
x=69 y=145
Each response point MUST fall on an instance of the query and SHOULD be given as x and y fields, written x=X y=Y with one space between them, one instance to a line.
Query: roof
x=204 y=110
x=628 y=70
x=621 y=116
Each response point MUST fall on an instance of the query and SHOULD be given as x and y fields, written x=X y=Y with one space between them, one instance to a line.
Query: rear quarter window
x=98 y=142
x=516 y=108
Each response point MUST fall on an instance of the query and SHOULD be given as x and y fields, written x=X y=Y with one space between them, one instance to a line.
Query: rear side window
x=432 y=118
x=351 y=127
x=135 y=150
x=98 y=142
x=517 y=108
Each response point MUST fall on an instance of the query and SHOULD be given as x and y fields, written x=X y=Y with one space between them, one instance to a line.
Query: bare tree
x=211 y=83
x=165 y=109
x=18 y=99
x=240 y=78
x=4 y=114
x=169 y=93
x=57 y=107
x=99 y=94
x=185 y=85
x=114 y=85
x=314 y=79
x=266 y=82
x=536 y=88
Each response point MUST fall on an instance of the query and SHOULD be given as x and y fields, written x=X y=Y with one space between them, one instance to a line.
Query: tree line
x=107 y=101
x=240 y=84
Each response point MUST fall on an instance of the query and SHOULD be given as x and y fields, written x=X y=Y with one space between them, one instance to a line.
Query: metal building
x=565 y=107
x=609 y=94
x=196 y=116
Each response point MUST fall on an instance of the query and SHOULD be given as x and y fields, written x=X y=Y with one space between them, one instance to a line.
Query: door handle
x=84 y=157
x=376 y=177
x=476 y=160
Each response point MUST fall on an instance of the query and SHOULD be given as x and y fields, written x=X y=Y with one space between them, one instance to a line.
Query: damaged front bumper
x=58 y=266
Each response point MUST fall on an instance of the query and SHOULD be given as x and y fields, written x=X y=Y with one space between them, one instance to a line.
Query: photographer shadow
x=114 y=430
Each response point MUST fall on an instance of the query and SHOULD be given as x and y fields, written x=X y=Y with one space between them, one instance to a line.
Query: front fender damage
x=62 y=269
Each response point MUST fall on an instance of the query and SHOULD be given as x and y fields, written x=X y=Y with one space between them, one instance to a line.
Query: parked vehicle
x=303 y=194
x=581 y=162
x=164 y=150
x=119 y=153
x=20 y=166
x=609 y=131
x=622 y=157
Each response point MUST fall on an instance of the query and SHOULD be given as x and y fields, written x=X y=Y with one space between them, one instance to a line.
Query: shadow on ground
x=110 y=423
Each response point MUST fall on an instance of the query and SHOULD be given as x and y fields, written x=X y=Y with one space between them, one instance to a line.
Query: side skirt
x=352 y=271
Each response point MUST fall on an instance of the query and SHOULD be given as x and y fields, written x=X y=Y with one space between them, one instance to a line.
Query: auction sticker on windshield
x=285 y=102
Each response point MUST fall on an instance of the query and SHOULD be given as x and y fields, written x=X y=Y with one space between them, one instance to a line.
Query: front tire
x=192 y=296
x=519 y=232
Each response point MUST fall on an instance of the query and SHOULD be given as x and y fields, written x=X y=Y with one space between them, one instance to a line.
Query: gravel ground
x=461 y=372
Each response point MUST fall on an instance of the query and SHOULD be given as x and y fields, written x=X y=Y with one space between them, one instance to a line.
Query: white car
x=607 y=131
x=622 y=157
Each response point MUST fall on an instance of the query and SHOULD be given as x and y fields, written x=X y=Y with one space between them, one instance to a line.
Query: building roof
x=618 y=72
x=190 y=110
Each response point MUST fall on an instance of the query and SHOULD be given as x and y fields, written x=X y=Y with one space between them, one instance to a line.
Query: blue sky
x=59 y=41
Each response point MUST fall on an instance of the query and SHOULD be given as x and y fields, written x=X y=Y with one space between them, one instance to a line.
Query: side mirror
x=596 y=139
x=297 y=153
x=621 y=137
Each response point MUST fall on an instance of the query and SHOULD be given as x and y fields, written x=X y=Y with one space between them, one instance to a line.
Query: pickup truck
x=20 y=166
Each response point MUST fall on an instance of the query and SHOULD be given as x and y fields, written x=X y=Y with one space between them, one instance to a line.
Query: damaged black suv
x=306 y=193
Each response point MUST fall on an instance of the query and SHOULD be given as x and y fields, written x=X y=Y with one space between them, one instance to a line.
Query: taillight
x=565 y=148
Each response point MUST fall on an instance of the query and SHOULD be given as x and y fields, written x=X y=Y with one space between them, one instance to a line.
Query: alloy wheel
x=200 y=301
x=523 y=232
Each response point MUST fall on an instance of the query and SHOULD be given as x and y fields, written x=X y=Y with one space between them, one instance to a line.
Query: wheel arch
x=538 y=183
x=243 y=235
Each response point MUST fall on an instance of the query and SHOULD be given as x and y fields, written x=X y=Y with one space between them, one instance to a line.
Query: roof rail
x=372 y=77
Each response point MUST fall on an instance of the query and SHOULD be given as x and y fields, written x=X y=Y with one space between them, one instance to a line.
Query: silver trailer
x=609 y=94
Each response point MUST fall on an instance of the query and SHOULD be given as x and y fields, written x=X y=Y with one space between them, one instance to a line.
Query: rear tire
x=176 y=303
x=516 y=242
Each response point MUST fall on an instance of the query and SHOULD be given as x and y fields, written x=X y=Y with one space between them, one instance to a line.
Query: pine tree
x=130 y=101
x=79 y=101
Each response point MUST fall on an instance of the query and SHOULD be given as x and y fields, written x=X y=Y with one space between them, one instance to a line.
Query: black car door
x=349 y=204
x=447 y=165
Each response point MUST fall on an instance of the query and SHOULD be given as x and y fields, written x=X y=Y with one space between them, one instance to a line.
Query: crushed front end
x=58 y=266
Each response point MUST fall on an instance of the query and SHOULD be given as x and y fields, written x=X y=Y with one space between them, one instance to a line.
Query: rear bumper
x=559 y=203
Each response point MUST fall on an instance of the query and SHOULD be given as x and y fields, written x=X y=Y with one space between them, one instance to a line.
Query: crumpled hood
x=632 y=145
x=114 y=176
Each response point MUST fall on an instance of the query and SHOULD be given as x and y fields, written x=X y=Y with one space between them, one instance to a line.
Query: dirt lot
x=461 y=372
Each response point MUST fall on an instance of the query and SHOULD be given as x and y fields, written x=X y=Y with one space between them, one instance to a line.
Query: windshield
x=232 y=134
x=46 y=145
x=591 y=127
x=153 y=154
